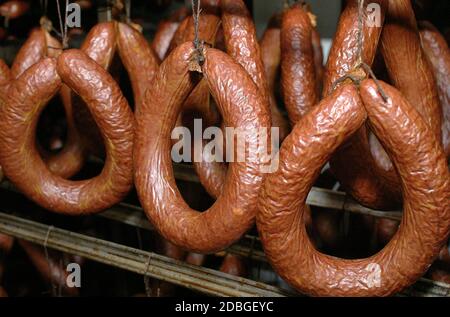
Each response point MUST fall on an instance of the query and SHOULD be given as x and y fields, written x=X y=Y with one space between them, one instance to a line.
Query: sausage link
x=318 y=59
x=271 y=51
x=438 y=53
x=100 y=46
x=242 y=44
x=20 y=159
x=178 y=37
x=298 y=75
x=166 y=30
x=138 y=59
x=425 y=183
x=233 y=265
x=241 y=106
x=136 y=55
x=343 y=54
x=406 y=63
x=353 y=164
x=40 y=44
x=199 y=102
x=5 y=73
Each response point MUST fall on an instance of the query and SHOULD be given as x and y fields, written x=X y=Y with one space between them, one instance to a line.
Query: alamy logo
x=374 y=277
x=259 y=145
x=73 y=15
x=74 y=277
x=373 y=15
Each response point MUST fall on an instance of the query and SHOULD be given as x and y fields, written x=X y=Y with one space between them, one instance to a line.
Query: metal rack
x=204 y=280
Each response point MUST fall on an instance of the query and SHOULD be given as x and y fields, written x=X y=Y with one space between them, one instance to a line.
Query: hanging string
x=63 y=26
x=49 y=263
x=200 y=59
x=353 y=75
x=360 y=30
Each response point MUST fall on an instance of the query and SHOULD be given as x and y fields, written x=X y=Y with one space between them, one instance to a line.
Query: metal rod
x=201 y=279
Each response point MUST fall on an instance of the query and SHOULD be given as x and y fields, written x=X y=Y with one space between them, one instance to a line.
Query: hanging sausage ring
x=241 y=106
x=101 y=44
x=425 y=182
x=19 y=114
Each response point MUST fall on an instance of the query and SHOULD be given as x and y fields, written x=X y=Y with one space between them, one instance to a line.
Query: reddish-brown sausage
x=101 y=44
x=318 y=59
x=343 y=54
x=353 y=164
x=40 y=44
x=242 y=106
x=271 y=52
x=242 y=44
x=407 y=65
x=20 y=159
x=233 y=265
x=438 y=53
x=166 y=30
x=421 y=163
x=298 y=75
x=138 y=59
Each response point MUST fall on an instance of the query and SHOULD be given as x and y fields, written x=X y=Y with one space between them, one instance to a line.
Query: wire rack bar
x=204 y=280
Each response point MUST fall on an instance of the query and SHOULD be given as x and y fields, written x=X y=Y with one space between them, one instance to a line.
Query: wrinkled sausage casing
x=165 y=32
x=438 y=53
x=298 y=74
x=241 y=106
x=101 y=44
x=19 y=114
x=425 y=182
x=40 y=44
x=354 y=164
x=242 y=45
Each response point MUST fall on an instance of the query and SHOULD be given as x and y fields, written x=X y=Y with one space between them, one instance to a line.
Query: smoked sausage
x=40 y=44
x=21 y=161
x=101 y=45
x=438 y=53
x=425 y=181
x=166 y=30
x=241 y=105
x=242 y=44
x=353 y=164
x=298 y=74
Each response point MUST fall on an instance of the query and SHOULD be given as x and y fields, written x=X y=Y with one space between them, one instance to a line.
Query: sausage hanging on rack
x=353 y=164
x=19 y=115
x=40 y=44
x=166 y=30
x=426 y=222
x=233 y=265
x=242 y=44
x=101 y=45
x=438 y=53
x=298 y=74
x=241 y=106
